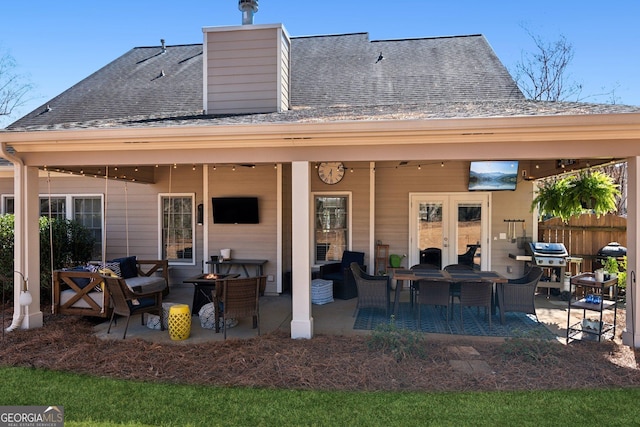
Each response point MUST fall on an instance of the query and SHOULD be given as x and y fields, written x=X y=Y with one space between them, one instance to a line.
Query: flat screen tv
x=497 y=175
x=235 y=210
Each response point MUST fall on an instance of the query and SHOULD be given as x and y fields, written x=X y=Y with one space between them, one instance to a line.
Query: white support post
x=301 y=319
x=631 y=335
x=26 y=247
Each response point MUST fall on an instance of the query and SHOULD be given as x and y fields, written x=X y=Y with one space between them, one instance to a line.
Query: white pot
x=225 y=253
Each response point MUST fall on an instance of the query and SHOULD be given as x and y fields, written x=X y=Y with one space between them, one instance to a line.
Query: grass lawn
x=90 y=401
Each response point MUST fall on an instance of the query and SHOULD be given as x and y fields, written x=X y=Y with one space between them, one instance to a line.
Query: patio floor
x=335 y=318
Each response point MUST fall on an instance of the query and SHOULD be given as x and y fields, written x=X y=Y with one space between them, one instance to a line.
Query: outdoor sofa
x=81 y=291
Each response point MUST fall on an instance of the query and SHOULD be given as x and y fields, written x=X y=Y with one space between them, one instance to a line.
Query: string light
x=419 y=167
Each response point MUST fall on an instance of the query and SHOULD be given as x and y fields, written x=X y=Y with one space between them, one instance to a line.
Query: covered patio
x=335 y=318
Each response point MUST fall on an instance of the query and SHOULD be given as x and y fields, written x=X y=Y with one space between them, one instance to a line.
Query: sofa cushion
x=66 y=295
x=146 y=284
x=128 y=266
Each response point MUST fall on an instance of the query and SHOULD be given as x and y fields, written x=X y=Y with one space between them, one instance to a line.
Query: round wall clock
x=331 y=172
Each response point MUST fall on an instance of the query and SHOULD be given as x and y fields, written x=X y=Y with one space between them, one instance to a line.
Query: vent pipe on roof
x=164 y=47
x=248 y=8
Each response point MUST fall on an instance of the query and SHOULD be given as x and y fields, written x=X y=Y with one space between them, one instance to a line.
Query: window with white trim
x=178 y=227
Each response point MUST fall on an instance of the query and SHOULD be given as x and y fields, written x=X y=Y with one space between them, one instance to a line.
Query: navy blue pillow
x=128 y=266
x=82 y=282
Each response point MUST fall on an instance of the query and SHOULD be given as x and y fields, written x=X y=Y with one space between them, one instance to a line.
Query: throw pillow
x=128 y=266
x=82 y=282
x=114 y=268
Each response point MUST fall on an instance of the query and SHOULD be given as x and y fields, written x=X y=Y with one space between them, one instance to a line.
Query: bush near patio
x=71 y=242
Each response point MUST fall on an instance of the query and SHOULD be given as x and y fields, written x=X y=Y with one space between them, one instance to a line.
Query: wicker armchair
x=344 y=286
x=413 y=291
x=238 y=298
x=476 y=294
x=127 y=303
x=373 y=291
x=432 y=292
x=519 y=294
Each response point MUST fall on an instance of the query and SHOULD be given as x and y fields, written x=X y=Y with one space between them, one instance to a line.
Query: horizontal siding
x=249 y=241
x=242 y=71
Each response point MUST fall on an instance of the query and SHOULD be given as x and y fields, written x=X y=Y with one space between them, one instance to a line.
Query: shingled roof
x=333 y=71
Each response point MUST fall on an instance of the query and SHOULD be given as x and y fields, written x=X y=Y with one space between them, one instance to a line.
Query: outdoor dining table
x=454 y=276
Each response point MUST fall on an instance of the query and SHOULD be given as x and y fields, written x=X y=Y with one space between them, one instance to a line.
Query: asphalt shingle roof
x=333 y=78
x=326 y=71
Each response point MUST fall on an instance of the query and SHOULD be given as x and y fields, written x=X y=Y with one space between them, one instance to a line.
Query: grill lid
x=548 y=249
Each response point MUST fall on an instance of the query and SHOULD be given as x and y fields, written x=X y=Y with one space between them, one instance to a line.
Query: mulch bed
x=67 y=343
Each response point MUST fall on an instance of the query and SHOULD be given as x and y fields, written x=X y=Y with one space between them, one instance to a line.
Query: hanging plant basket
x=589 y=192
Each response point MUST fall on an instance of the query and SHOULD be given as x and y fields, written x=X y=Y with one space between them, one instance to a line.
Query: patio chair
x=518 y=295
x=455 y=287
x=467 y=257
x=344 y=286
x=413 y=286
x=373 y=291
x=431 y=256
x=238 y=298
x=127 y=303
x=476 y=294
x=433 y=293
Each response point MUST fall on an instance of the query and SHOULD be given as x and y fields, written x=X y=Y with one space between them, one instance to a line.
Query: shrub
x=72 y=245
x=399 y=342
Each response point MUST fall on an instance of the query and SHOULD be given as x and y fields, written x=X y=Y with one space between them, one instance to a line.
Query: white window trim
x=312 y=211
x=193 y=226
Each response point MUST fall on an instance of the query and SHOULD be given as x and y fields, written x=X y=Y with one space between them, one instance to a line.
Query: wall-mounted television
x=235 y=210
x=496 y=175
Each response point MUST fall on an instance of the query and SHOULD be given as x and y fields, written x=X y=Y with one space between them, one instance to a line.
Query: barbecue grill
x=548 y=254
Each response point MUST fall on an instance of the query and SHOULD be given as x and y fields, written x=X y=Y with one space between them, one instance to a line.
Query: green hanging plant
x=553 y=199
x=595 y=191
x=573 y=195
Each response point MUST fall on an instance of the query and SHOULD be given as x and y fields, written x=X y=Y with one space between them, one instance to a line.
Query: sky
x=56 y=44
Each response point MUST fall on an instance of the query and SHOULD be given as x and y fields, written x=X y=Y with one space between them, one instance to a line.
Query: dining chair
x=518 y=295
x=238 y=298
x=476 y=294
x=431 y=256
x=373 y=291
x=413 y=286
x=455 y=286
x=431 y=292
x=127 y=303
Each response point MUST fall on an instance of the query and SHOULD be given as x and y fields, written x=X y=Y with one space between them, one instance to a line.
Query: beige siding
x=244 y=73
x=248 y=241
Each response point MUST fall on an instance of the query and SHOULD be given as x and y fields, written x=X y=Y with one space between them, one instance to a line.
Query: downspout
x=17 y=320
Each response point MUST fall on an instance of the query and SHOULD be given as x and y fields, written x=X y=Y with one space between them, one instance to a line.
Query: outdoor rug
x=433 y=320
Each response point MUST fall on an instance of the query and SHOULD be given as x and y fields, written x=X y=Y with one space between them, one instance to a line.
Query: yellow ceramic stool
x=179 y=322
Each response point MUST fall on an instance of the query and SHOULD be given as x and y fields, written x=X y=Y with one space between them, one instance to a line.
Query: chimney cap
x=248 y=8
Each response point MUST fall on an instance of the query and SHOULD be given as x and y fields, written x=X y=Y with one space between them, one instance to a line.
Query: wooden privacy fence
x=585 y=235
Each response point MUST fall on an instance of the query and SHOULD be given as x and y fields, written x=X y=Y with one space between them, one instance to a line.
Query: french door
x=456 y=224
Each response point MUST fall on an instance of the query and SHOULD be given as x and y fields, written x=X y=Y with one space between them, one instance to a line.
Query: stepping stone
x=464 y=351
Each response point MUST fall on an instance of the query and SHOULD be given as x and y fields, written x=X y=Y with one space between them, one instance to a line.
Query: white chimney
x=248 y=8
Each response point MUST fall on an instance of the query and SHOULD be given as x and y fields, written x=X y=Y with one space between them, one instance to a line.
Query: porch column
x=301 y=320
x=631 y=335
x=26 y=247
